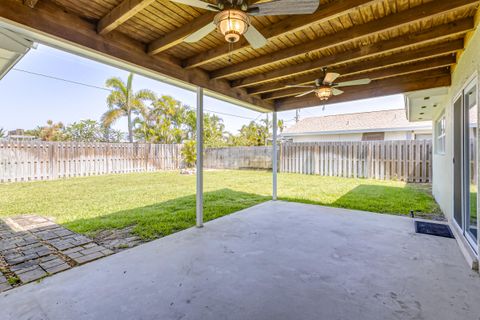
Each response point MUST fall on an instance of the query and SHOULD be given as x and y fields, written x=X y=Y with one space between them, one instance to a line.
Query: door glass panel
x=471 y=105
x=458 y=159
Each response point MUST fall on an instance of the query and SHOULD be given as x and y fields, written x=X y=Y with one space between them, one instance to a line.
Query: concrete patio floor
x=277 y=260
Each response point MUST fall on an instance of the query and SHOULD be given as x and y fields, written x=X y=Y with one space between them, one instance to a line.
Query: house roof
x=12 y=48
x=384 y=120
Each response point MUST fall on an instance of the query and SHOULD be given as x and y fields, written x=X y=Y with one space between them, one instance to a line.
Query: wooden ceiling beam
x=374 y=27
x=395 y=71
x=48 y=19
x=437 y=33
x=324 y=13
x=121 y=13
x=384 y=62
x=178 y=35
x=365 y=66
x=378 y=88
x=30 y=3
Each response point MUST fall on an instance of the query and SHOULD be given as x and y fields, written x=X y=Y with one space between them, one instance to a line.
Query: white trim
x=315 y=133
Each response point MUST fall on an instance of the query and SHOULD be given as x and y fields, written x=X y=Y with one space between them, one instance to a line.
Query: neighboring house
x=19 y=135
x=363 y=126
x=454 y=111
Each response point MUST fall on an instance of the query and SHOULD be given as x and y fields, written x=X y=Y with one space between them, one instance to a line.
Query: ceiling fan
x=326 y=87
x=233 y=17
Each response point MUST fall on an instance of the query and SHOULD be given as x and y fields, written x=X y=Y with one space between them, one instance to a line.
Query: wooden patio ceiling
x=402 y=45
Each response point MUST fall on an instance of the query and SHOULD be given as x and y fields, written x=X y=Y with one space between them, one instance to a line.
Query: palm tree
x=123 y=102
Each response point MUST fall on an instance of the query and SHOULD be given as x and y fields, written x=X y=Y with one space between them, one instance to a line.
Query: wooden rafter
x=430 y=64
x=30 y=3
x=178 y=35
x=371 y=28
x=121 y=13
x=384 y=62
x=324 y=13
x=434 y=34
x=407 y=83
x=51 y=20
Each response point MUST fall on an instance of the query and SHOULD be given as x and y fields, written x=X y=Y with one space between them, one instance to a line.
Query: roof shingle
x=384 y=119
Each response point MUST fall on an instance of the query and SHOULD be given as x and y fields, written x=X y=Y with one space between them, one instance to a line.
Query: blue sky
x=29 y=100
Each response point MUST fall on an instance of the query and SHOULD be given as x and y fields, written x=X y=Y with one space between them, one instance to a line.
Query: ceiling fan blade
x=200 y=33
x=304 y=94
x=198 y=4
x=299 y=86
x=336 y=92
x=255 y=38
x=284 y=7
x=353 y=83
x=330 y=77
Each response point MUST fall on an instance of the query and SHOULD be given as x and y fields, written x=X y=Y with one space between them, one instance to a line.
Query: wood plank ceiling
x=402 y=45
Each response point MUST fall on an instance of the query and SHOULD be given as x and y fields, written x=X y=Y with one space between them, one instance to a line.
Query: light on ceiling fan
x=324 y=93
x=232 y=24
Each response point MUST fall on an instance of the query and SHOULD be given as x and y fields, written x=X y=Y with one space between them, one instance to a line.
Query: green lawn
x=162 y=203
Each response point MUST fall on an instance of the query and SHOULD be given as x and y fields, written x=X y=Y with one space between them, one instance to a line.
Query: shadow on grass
x=384 y=199
x=170 y=216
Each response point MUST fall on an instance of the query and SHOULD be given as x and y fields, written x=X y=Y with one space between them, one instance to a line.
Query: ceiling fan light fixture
x=232 y=24
x=324 y=93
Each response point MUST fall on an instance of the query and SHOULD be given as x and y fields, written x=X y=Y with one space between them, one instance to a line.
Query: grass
x=158 y=204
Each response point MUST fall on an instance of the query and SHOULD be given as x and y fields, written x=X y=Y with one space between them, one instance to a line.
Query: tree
x=91 y=131
x=281 y=125
x=51 y=132
x=253 y=134
x=2 y=133
x=170 y=121
x=189 y=153
x=123 y=102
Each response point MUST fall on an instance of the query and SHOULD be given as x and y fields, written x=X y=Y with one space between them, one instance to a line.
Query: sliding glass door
x=465 y=146
x=470 y=114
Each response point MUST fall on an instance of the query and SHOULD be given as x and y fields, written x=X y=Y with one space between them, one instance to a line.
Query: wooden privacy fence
x=26 y=161
x=386 y=160
x=401 y=160
x=238 y=158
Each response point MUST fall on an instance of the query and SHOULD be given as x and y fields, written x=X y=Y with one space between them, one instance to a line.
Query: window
x=440 y=135
x=373 y=136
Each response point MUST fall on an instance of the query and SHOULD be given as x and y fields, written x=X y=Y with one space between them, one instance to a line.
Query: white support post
x=274 y=157
x=199 y=200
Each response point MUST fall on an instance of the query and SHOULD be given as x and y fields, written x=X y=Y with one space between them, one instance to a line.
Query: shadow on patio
x=276 y=260
x=167 y=217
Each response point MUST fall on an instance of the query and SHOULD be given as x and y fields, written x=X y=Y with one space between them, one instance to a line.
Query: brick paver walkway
x=32 y=247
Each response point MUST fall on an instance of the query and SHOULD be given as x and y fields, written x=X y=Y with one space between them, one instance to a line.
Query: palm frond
x=117 y=84
x=146 y=95
x=116 y=99
x=111 y=116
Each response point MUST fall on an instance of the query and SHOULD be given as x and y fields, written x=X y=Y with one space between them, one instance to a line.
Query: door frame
x=472 y=81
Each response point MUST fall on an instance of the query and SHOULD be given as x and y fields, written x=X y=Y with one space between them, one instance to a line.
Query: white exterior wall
x=389 y=136
x=328 y=137
x=468 y=66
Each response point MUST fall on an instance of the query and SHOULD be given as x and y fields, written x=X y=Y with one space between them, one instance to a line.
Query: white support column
x=274 y=156
x=199 y=200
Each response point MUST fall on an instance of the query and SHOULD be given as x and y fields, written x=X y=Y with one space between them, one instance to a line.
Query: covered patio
x=277 y=260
